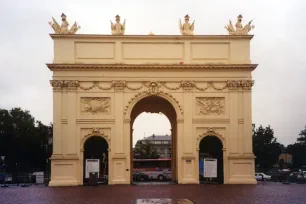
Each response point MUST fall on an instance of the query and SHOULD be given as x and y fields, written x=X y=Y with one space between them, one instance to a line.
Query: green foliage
x=302 y=138
x=145 y=151
x=265 y=147
x=24 y=140
x=298 y=150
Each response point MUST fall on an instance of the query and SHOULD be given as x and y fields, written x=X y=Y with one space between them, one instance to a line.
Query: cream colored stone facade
x=99 y=79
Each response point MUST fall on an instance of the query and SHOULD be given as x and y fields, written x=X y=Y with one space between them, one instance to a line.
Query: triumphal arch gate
x=101 y=83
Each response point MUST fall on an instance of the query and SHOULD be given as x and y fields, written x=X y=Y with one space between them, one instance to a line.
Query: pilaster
x=187 y=136
x=57 y=115
x=233 y=137
x=247 y=115
x=240 y=121
x=71 y=137
x=119 y=120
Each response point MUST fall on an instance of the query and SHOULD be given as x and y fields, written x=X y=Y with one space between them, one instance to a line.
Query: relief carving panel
x=95 y=105
x=210 y=105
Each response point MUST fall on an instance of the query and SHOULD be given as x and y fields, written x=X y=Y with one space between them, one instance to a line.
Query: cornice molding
x=150 y=37
x=58 y=67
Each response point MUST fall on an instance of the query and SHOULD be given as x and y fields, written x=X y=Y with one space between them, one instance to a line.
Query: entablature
x=148 y=49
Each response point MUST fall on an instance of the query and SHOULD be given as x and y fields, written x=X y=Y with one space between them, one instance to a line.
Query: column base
x=242 y=181
x=55 y=183
x=119 y=183
x=64 y=172
x=191 y=181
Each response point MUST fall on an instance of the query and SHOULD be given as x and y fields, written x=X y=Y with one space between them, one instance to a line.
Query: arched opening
x=159 y=163
x=211 y=148
x=95 y=159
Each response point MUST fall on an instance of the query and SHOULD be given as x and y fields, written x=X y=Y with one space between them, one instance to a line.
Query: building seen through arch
x=165 y=168
x=161 y=144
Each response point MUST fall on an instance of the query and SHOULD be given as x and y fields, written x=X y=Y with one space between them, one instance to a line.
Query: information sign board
x=210 y=168
x=92 y=165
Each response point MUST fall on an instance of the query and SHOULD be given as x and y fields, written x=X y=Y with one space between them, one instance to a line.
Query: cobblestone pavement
x=275 y=193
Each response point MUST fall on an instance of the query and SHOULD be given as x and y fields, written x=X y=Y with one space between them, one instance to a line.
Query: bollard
x=287 y=179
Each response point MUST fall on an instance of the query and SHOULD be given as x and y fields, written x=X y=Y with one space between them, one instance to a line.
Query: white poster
x=39 y=177
x=92 y=165
x=210 y=168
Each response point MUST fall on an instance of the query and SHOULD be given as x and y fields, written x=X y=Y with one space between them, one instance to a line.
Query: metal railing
x=24 y=179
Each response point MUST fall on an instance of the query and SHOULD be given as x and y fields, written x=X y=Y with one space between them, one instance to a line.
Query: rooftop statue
x=240 y=30
x=118 y=28
x=186 y=28
x=63 y=28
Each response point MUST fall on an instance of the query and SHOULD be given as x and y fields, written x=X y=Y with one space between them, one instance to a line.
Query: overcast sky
x=279 y=94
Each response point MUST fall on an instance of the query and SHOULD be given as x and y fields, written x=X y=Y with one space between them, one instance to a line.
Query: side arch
x=210 y=132
x=95 y=133
x=141 y=95
x=99 y=134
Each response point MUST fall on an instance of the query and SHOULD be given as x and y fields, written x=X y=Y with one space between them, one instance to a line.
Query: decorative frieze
x=153 y=86
x=95 y=105
x=210 y=105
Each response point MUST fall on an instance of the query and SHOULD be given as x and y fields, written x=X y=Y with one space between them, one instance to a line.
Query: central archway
x=157 y=104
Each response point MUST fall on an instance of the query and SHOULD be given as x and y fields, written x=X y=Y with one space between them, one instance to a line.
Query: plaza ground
x=268 y=192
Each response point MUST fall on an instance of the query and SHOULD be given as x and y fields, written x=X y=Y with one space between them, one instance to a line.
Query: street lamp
x=17 y=174
x=4 y=171
x=47 y=171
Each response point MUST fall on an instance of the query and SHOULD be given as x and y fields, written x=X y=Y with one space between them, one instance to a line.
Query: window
x=157 y=142
x=166 y=142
